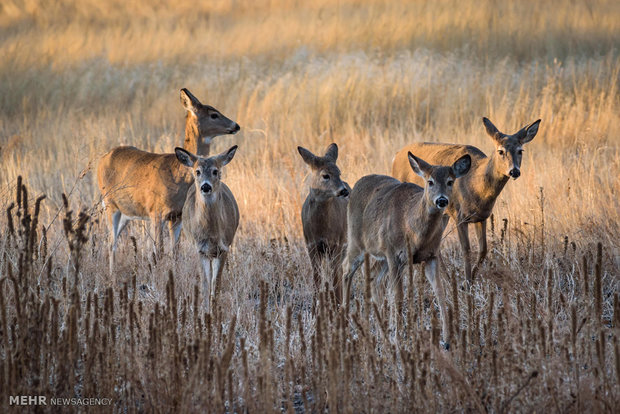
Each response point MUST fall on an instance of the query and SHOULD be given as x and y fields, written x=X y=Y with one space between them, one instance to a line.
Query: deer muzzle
x=441 y=202
x=234 y=129
x=206 y=188
x=514 y=173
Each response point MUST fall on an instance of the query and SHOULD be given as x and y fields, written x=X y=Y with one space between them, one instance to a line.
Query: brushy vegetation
x=539 y=330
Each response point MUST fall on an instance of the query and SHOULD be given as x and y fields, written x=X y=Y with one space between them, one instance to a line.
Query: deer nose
x=441 y=202
x=206 y=188
x=343 y=193
x=235 y=129
x=514 y=173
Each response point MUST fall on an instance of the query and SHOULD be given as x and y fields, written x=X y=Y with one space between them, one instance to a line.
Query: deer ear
x=189 y=101
x=227 y=156
x=419 y=166
x=492 y=130
x=462 y=166
x=529 y=132
x=332 y=152
x=185 y=157
x=308 y=157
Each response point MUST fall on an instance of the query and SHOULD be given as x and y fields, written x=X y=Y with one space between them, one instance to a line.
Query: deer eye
x=520 y=151
x=326 y=177
x=431 y=183
x=214 y=116
x=450 y=183
x=500 y=152
x=197 y=173
x=215 y=173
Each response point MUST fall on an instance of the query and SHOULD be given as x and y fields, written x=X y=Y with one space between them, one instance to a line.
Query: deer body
x=324 y=216
x=475 y=194
x=136 y=184
x=387 y=217
x=210 y=214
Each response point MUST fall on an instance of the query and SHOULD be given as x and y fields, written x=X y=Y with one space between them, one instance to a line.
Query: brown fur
x=386 y=217
x=475 y=194
x=211 y=220
x=139 y=184
x=324 y=216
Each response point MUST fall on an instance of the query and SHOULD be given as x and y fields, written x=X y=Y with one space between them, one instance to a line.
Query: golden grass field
x=539 y=330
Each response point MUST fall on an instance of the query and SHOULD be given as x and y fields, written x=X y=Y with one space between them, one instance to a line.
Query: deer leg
x=430 y=270
x=206 y=282
x=383 y=270
x=157 y=226
x=352 y=263
x=121 y=226
x=481 y=232
x=315 y=260
x=465 y=247
x=395 y=265
x=174 y=227
x=217 y=265
x=114 y=218
x=336 y=271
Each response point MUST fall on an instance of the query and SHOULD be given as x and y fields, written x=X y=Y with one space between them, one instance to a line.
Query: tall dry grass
x=79 y=77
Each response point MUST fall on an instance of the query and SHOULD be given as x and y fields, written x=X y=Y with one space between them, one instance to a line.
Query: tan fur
x=324 y=216
x=137 y=184
x=386 y=216
x=211 y=220
x=475 y=194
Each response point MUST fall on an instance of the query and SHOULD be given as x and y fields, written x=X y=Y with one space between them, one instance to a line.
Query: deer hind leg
x=466 y=248
x=433 y=277
x=353 y=261
x=382 y=271
x=174 y=228
x=206 y=282
x=117 y=222
x=157 y=225
x=113 y=217
x=481 y=232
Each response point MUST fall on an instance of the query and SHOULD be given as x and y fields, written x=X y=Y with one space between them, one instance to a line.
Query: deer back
x=377 y=213
x=141 y=184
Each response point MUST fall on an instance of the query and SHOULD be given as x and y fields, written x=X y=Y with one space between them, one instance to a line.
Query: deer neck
x=194 y=143
x=495 y=179
x=485 y=181
x=423 y=218
x=208 y=211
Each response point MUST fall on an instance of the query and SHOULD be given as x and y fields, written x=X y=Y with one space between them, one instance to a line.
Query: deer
x=396 y=222
x=475 y=194
x=210 y=214
x=324 y=216
x=137 y=184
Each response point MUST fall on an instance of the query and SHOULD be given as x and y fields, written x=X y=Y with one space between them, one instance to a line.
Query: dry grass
x=79 y=77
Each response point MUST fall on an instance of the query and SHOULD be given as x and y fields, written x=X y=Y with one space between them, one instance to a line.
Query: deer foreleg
x=206 y=282
x=481 y=232
x=217 y=265
x=433 y=277
x=465 y=247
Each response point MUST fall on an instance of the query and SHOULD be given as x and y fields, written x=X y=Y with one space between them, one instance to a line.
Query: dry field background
x=538 y=331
